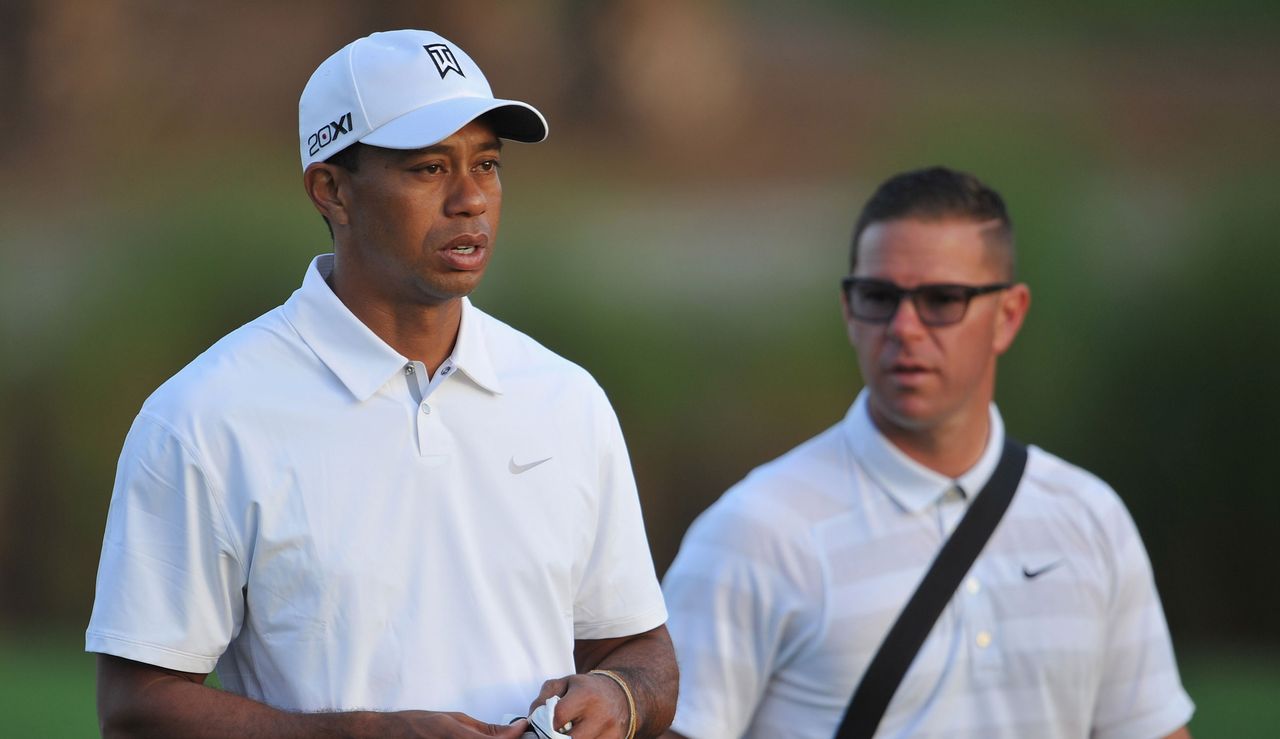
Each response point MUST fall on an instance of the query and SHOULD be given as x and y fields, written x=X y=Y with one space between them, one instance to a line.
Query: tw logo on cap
x=326 y=134
x=445 y=61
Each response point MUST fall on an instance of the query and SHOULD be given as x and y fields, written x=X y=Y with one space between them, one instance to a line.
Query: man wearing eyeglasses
x=785 y=588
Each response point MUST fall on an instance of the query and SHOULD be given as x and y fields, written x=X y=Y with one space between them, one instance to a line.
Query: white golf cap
x=402 y=90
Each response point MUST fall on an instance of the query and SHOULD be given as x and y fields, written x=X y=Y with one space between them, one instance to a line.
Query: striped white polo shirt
x=784 y=589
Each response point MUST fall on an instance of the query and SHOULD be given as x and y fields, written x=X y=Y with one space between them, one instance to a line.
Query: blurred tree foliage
x=691 y=263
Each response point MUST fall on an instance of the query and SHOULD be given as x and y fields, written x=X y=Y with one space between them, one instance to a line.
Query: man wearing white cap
x=376 y=510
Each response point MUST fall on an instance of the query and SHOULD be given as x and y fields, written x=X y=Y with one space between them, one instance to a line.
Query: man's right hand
x=140 y=700
x=437 y=725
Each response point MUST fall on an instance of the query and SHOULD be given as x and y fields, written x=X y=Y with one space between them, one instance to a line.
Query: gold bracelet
x=631 y=699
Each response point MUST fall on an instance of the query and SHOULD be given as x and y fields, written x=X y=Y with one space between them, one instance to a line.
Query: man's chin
x=449 y=288
x=911 y=414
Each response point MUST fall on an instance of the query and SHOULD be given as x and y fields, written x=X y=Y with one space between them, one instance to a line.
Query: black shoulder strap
x=917 y=618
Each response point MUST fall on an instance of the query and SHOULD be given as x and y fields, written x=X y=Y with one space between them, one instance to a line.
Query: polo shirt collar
x=361 y=360
x=471 y=352
x=909 y=483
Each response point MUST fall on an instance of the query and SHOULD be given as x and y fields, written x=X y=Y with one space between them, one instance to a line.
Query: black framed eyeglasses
x=937 y=304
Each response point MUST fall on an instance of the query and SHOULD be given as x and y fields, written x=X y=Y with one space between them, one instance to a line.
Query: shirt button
x=973 y=586
x=983 y=640
x=408 y=369
x=426 y=409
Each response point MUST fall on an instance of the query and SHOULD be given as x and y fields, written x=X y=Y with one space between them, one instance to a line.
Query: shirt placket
x=972 y=601
x=430 y=433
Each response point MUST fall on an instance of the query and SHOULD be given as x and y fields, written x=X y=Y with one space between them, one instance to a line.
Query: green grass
x=46 y=689
x=1236 y=693
x=46 y=686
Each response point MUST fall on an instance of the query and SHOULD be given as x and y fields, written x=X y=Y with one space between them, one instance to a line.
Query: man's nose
x=905 y=322
x=466 y=197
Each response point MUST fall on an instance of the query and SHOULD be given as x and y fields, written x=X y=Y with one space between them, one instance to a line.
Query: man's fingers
x=595 y=705
x=574 y=705
x=557 y=686
x=514 y=730
x=453 y=725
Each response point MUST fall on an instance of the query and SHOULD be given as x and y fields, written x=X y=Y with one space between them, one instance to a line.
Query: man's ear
x=326 y=185
x=848 y=317
x=1014 y=303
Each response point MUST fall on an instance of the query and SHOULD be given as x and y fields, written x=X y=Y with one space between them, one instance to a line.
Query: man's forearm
x=647 y=662
x=155 y=704
x=137 y=700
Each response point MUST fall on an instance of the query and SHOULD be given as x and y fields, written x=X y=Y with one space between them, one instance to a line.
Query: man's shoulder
x=767 y=526
x=519 y=356
x=1054 y=489
x=796 y=491
x=1055 y=476
x=241 y=365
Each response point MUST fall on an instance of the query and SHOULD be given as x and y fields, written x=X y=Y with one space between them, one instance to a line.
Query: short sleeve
x=618 y=593
x=169 y=588
x=1140 y=695
x=735 y=592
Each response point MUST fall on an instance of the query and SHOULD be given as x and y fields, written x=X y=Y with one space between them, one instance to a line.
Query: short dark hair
x=930 y=194
x=348 y=159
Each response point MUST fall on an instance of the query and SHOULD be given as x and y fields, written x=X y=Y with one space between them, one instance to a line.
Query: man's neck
x=949 y=450
x=425 y=333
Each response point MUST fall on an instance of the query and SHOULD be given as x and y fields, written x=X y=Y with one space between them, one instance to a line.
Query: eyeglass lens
x=935 y=304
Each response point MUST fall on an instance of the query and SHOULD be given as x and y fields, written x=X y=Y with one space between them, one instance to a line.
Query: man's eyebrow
x=494 y=144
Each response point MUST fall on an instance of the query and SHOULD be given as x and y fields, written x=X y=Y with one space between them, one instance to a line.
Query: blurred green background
x=680 y=235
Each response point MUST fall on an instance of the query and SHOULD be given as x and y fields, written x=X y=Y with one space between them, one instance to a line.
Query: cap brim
x=431 y=124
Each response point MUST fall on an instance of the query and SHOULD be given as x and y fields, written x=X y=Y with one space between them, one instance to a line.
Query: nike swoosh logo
x=1032 y=574
x=519 y=469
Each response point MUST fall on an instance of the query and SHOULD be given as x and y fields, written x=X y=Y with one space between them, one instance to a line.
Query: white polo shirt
x=784 y=589
x=303 y=508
